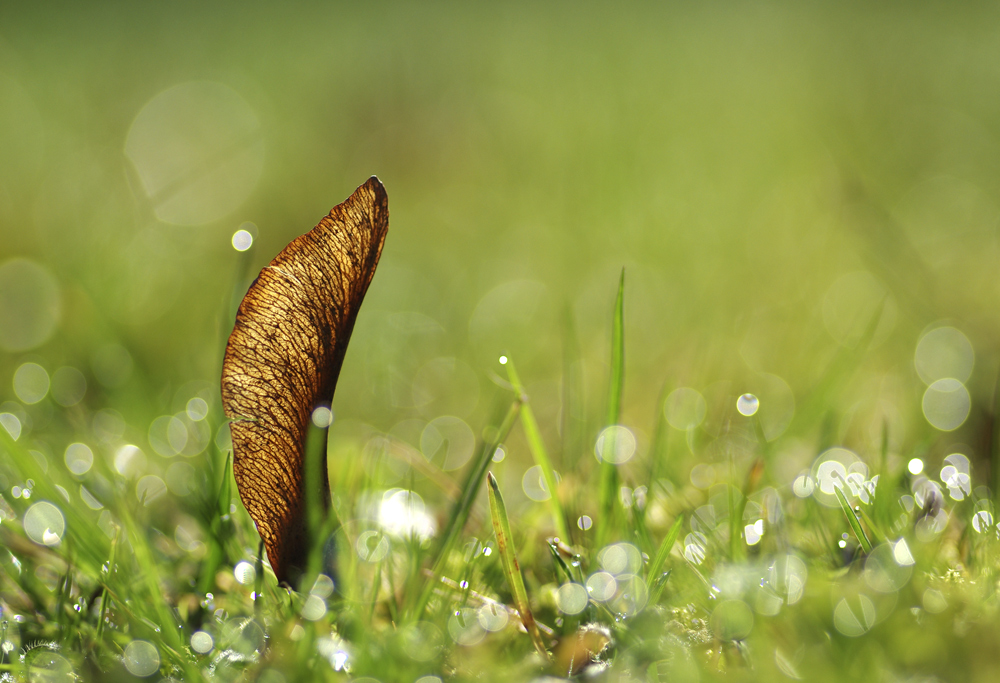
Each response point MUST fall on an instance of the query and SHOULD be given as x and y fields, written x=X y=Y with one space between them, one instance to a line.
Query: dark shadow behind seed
x=283 y=359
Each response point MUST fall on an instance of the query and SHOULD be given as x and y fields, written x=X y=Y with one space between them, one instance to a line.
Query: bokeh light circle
x=493 y=616
x=244 y=573
x=44 y=523
x=201 y=642
x=883 y=571
x=30 y=305
x=142 y=658
x=31 y=383
x=685 y=408
x=732 y=620
x=944 y=352
x=946 y=404
x=79 y=458
x=448 y=442
x=830 y=470
x=198 y=151
x=856 y=617
x=69 y=386
x=615 y=444
x=533 y=484
x=572 y=598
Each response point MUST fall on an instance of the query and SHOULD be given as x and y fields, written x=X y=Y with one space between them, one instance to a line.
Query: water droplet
x=747 y=404
x=242 y=240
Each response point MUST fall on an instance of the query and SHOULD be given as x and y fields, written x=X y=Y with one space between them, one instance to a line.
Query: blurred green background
x=767 y=174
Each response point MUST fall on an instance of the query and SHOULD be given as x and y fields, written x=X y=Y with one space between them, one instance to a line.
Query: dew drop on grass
x=747 y=404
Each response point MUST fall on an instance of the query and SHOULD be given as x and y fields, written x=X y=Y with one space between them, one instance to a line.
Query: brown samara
x=283 y=359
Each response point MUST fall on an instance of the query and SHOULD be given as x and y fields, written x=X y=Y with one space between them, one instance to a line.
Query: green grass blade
x=541 y=456
x=511 y=568
x=853 y=520
x=656 y=566
x=609 y=471
x=460 y=512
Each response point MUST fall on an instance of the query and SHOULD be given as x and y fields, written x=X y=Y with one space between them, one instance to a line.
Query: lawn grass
x=869 y=571
x=801 y=195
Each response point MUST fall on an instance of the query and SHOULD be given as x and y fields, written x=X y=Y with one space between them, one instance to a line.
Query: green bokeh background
x=736 y=159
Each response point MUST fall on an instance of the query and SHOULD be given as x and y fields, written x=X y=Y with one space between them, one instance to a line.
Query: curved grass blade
x=853 y=520
x=511 y=569
x=656 y=566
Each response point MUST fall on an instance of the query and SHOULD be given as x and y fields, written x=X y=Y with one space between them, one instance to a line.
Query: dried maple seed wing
x=283 y=359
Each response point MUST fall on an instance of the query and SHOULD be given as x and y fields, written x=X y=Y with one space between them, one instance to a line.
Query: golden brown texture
x=283 y=359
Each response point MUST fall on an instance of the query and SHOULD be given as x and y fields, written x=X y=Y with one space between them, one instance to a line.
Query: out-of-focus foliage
x=805 y=199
